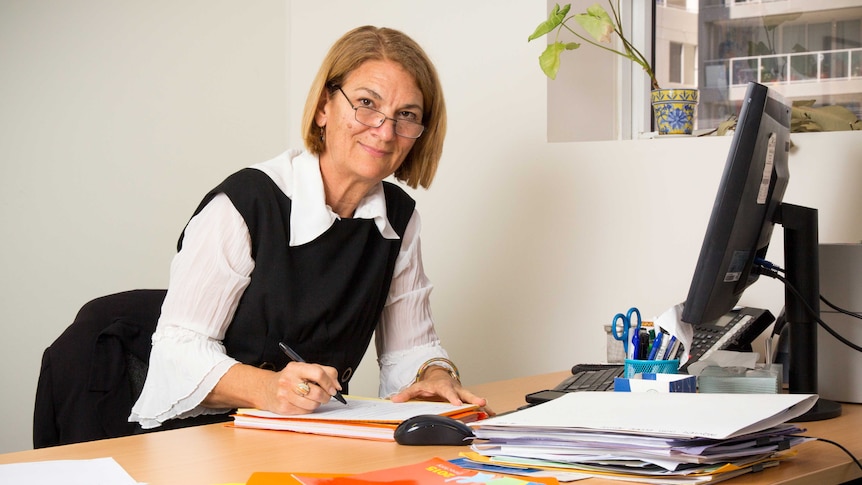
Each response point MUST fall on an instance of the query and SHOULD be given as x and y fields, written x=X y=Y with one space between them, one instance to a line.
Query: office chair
x=94 y=372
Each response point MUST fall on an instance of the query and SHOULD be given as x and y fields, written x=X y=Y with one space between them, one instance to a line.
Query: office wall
x=115 y=119
x=120 y=120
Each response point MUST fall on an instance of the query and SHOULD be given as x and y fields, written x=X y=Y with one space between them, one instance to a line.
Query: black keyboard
x=585 y=377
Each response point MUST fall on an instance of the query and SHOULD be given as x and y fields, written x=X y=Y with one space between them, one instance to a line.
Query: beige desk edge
x=217 y=454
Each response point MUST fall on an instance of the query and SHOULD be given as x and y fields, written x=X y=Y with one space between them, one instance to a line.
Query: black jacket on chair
x=93 y=373
x=95 y=370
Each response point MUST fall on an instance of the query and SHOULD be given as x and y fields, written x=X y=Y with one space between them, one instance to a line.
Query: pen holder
x=650 y=366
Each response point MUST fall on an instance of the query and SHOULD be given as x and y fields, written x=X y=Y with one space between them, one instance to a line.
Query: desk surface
x=216 y=454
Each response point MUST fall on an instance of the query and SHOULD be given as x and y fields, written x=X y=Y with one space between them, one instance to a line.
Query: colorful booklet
x=435 y=471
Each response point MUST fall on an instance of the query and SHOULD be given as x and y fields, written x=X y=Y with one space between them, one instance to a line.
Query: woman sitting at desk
x=313 y=249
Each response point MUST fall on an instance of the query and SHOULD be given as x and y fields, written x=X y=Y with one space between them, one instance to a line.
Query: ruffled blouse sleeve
x=207 y=278
x=405 y=336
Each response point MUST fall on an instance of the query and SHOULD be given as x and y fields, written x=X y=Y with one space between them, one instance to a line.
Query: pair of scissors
x=623 y=331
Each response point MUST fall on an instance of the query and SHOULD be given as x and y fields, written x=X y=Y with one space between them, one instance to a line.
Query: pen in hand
x=297 y=358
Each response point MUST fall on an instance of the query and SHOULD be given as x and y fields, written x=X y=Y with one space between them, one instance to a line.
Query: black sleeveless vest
x=323 y=298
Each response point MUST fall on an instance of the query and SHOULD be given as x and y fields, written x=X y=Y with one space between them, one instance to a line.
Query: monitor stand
x=802 y=307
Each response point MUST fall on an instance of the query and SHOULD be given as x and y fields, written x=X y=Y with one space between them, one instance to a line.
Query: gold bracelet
x=439 y=362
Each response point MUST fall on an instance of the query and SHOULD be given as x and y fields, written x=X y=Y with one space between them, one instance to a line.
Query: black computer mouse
x=432 y=429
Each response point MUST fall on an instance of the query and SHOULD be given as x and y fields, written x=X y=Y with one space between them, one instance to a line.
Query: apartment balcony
x=796 y=75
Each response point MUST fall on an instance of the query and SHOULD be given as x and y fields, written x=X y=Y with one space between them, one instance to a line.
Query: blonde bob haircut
x=372 y=43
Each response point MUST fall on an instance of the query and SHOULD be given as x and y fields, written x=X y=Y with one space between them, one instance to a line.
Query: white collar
x=297 y=173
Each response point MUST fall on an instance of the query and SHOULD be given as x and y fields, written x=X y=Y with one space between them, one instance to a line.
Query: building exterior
x=806 y=50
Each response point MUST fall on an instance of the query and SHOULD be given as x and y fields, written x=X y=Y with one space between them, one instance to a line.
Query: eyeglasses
x=372 y=118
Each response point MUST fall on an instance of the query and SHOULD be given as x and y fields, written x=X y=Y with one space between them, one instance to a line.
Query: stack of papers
x=368 y=418
x=659 y=437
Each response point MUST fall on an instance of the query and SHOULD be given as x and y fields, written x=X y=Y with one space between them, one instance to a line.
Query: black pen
x=297 y=358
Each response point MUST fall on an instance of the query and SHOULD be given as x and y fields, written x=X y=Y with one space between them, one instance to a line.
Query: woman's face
x=362 y=153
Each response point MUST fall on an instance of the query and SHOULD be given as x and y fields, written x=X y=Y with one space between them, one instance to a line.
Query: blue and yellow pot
x=674 y=110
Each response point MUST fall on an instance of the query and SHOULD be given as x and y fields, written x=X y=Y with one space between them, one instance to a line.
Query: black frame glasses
x=372 y=118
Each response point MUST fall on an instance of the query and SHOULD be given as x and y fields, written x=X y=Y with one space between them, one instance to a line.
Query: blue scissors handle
x=634 y=311
x=623 y=333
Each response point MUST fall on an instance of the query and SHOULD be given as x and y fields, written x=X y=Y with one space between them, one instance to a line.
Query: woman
x=312 y=249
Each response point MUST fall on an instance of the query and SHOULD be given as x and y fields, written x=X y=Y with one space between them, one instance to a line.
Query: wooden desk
x=216 y=454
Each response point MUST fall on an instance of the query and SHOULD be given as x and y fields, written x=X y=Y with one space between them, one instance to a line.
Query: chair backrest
x=95 y=370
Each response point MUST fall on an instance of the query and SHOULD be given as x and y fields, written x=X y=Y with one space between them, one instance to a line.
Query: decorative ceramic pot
x=674 y=110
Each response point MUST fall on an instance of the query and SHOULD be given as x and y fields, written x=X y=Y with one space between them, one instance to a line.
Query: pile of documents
x=646 y=437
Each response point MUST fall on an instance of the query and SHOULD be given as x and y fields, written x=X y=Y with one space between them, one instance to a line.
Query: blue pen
x=656 y=344
x=669 y=349
x=640 y=344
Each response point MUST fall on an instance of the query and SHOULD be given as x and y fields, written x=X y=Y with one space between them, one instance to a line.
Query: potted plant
x=673 y=108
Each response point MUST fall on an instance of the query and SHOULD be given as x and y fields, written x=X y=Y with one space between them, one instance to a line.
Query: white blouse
x=210 y=273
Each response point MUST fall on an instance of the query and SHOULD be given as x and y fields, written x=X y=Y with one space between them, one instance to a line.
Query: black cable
x=774 y=274
x=839 y=309
x=762 y=263
x=780 y=322
x=845 y=450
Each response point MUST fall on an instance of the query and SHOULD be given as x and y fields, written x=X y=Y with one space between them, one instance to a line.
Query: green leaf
x=549 y=61
x=555 y=18
x=597 y=23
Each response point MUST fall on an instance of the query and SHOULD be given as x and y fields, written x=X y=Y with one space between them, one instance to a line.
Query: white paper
x=671 y=322
x=99 y=471
x=679 y=414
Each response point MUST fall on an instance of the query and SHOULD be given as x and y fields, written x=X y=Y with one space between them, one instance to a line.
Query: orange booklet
x=367 y=418
x=283 y=478
x=435 y=471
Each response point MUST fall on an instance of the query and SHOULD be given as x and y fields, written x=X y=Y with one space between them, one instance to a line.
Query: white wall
x=115 y=119
x=117 y=123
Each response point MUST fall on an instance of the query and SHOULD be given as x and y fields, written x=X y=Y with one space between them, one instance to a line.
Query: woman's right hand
x=283 y=392
x=301 y=388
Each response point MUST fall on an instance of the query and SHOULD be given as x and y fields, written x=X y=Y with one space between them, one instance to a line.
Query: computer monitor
x=748 y=204
x=740 y=226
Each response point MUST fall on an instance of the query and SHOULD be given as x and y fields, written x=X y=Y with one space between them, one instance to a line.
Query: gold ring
x=302 y=388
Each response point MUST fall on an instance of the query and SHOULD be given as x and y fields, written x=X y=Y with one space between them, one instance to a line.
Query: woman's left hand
x=438 y=384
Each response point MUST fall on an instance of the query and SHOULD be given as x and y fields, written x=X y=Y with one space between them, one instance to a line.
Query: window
x=804 y=50
x=675 y=63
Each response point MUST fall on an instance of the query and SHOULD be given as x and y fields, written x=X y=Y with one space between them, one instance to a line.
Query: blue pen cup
x=650 y=366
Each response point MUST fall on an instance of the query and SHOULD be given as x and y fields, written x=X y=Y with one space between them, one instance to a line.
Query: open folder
x=367 y=418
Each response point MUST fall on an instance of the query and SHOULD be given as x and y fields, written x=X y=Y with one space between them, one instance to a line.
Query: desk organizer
x=614 y=348
x=651 y=367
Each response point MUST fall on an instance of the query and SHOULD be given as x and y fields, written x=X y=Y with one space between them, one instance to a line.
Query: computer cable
x=814 y=314
x=780 y=322
x=762 y=263
x=835 y=443
x=839 y=309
